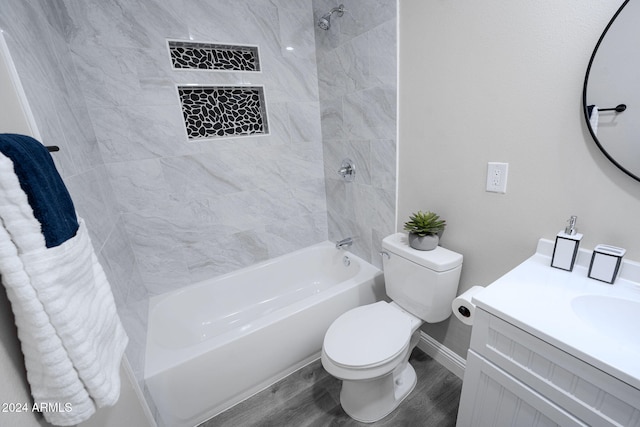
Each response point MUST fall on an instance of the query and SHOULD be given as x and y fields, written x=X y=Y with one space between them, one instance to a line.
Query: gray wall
x=200 y=209
x=502 y=81
x=34 y=33
x=357 y=83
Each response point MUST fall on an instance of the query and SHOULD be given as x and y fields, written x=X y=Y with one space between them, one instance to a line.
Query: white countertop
x=537 y=298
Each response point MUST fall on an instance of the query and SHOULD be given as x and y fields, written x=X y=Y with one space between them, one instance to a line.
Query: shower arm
x=338 y=9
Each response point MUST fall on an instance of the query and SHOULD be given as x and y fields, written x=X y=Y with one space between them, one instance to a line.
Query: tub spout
x=341 y=244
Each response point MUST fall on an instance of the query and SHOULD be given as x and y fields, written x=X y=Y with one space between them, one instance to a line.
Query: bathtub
x=217 y=342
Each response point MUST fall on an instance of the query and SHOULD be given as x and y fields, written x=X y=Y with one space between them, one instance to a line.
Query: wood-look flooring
x=310 y=397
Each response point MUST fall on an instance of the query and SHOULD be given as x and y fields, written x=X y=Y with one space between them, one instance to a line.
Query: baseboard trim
x=443 y=355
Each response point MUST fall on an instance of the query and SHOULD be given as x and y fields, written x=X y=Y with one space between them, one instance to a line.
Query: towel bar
x=618 y=108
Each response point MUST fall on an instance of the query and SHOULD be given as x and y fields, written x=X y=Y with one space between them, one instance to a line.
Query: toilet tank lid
x=439 y=259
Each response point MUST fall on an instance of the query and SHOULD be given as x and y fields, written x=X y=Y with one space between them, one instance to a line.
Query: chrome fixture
x=347 y=170
x=346 y=261
x=325 y=22
x=385 y=254
x=341 y=244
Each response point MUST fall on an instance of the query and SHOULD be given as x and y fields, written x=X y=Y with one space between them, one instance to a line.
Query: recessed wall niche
x=209 y=56
x=223 y=111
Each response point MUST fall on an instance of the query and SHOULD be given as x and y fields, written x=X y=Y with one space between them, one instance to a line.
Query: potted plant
x=424 y=230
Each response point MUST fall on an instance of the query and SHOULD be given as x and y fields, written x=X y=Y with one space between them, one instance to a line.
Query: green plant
x=424 y=224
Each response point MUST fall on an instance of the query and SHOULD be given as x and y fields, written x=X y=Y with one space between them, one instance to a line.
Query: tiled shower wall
x=164 y=212
x=35 y=34
x=357 y=85
x=197 y=209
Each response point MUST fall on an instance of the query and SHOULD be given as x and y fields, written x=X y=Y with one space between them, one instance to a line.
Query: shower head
x=325 y=22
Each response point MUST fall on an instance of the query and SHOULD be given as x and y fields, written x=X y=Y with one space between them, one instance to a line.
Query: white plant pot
x=424 y=243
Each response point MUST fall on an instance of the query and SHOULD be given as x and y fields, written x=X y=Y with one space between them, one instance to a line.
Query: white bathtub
x=215 y=343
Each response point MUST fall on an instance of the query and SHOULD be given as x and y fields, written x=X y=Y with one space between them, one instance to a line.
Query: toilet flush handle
x=385 y=253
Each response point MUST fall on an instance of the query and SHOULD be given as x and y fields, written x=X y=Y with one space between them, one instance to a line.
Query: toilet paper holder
x=463 y=307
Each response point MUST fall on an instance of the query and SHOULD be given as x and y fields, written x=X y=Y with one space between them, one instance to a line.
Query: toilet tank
x=424 y=283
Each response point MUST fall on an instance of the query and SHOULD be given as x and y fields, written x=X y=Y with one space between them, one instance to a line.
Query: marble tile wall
x=36 y=35
x=357 y=86
x=197 y=209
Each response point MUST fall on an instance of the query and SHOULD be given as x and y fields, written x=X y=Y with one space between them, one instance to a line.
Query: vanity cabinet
x=513 y=378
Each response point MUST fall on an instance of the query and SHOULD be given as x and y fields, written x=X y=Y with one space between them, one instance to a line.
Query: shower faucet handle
x=347 y=170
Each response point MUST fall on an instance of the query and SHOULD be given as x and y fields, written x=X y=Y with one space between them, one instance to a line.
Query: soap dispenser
x=565 y=250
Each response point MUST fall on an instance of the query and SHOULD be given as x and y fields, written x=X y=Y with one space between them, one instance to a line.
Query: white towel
x=71 y=336
x=593 y=119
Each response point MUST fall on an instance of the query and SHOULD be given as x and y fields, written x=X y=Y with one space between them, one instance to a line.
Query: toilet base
x=372 y=400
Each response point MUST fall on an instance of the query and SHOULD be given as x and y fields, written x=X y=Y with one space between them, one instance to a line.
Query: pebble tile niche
x=207 y=56
x=223 y=111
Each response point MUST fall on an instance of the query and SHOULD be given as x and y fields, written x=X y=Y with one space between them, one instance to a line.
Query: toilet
x=368 y=347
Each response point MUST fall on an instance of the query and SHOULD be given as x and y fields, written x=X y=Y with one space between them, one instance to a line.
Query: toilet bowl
x=368 y=347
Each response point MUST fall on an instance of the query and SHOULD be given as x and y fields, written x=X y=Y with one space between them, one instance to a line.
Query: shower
x=325 y=21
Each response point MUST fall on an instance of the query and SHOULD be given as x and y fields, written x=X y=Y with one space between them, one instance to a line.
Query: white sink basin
x=589 y=319
x=614 y=317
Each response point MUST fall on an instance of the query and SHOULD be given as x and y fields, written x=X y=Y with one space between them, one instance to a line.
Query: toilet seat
x=368 y=336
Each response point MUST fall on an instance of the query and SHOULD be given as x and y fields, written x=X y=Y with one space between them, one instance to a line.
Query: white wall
x=12 y=114
x=502 y=81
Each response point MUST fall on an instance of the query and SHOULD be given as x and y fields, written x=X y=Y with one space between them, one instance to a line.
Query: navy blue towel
x=51 y=203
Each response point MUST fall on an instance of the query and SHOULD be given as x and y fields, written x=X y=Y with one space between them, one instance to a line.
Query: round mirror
x=611 y=94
